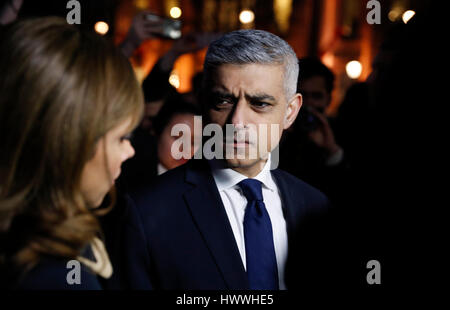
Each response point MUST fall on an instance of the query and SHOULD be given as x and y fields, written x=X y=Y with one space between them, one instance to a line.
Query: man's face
x=166 y=140
x=314 y=93
x=246 y=96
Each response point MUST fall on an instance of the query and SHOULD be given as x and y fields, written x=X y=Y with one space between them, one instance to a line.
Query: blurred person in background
x=156 y=85
x=157 y=93
x=175 y=111
x=310 y=150
x=140 y=171
x=392 y=200
x=9 y=10
x=68 y=101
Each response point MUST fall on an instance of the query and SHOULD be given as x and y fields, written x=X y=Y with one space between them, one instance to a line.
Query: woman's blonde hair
x=61 y=89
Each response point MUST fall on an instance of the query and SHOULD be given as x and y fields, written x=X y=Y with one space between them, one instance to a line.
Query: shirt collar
x=160 y=169
x=227 y=178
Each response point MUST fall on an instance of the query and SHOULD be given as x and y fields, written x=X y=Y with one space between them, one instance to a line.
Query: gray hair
x=254 y=47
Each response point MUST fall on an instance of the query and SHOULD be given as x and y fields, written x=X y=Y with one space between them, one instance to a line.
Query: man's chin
x=242 y=163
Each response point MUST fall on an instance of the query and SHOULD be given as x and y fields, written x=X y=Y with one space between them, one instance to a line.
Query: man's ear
x=292 y=110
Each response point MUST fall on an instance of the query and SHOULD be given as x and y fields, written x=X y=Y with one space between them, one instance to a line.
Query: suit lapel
x=209 y=214
x=292 y=203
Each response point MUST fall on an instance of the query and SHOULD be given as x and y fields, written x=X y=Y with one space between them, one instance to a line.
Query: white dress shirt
x=235 y=203
x=160 y=169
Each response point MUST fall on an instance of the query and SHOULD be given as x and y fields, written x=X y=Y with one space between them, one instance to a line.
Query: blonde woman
x=68 y=100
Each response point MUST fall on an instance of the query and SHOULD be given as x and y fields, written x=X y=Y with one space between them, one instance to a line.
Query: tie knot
x=252 y=189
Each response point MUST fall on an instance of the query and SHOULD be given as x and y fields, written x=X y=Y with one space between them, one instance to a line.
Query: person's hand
x=188 y=43
x=193 y=42
x=323 y=136
x=141 y=30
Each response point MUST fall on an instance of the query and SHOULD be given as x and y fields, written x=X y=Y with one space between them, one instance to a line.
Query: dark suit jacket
x=51 y=274
x=178 y=235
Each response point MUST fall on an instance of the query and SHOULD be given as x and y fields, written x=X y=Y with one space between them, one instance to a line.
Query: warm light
x=141 y=4
x=408 y=15
x=175 y=12
x=246 y=16
x=174 y=79
x=102 y=28
x=353 y=69
x=328 y=59
x=394 y=14
x=282 y=10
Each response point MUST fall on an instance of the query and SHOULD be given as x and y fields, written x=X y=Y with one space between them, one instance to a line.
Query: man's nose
x=239 y=114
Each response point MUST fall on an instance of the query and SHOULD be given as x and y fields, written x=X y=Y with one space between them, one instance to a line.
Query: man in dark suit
x=227 y=222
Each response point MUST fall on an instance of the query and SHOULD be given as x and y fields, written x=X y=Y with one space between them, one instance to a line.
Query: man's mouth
x=237 y=143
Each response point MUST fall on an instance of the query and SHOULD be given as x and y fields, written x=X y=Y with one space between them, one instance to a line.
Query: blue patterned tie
x=262 y=271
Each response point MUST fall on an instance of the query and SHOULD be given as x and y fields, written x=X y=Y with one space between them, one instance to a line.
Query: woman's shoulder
x=59 y=274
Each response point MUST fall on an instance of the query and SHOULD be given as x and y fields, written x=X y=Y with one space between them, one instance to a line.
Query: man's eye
x=260 y=104
x=225 y=101
x=221 y=102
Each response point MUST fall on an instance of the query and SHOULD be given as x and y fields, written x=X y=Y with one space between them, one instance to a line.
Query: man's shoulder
x=169 y=187
x=298 y=187
x=294 y=182
x=171 y=181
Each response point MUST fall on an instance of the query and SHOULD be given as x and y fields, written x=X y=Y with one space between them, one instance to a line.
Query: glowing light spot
x=174 y=79
x=353 y=69
x=101 y=28
x=407 y=16
x=246 y=16
x=175 y=12
x=394 y=14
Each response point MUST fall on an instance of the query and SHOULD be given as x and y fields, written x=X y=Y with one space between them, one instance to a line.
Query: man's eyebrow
x=223 y=93
x=260 y=97
x=250 y=97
